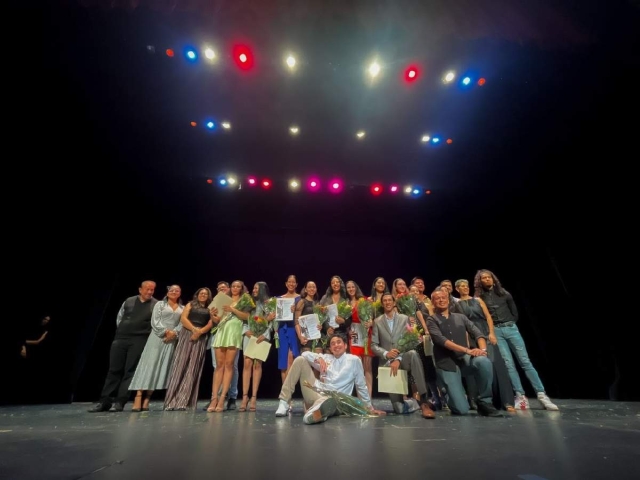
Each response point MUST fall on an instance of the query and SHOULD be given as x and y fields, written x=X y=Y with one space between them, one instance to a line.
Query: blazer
x=383 y=339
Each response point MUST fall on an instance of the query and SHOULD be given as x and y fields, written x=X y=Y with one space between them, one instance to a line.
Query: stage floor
x=585 y=440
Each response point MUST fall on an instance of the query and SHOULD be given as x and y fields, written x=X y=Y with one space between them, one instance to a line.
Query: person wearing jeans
x=505 y=316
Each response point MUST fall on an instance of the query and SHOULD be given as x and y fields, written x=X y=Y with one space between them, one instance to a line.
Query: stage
x=585 y=440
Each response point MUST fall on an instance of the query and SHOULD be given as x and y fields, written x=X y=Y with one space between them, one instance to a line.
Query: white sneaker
x=546 y=402
x=320 y=411
x=283 y=409
x=521 y=402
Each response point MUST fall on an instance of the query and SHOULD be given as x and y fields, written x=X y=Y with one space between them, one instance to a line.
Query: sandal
x=243 y=406
x=252 y=405
x=145 y=402
x=213 y=404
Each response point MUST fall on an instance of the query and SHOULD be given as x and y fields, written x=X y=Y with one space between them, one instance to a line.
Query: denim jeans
x=482 y=369
x=233 y=388
x=510 y=340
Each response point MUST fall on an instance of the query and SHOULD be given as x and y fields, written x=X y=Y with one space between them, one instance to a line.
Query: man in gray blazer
x=387 y=330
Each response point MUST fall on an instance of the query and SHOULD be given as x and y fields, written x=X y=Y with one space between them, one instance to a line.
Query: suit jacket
x=382 y=339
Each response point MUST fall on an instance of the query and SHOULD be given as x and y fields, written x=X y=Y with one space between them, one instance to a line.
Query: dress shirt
x=455 y=329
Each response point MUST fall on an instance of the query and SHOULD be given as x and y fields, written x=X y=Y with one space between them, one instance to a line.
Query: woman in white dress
x=155 y=363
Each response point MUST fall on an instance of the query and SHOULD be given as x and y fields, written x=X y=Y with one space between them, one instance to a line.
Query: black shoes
x=231 y=404
x=488 y=410
x=100 y=407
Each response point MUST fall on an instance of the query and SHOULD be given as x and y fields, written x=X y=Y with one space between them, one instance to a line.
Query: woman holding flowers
x=306 y=306
x=184 y=379
x=228 y=340
x=336 y=294
x=360 y=337
x=259 y=325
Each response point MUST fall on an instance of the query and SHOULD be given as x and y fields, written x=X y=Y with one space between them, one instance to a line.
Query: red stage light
x=193 y=124
x=481 y=82
x=266 y=184
x=411 y=73
x=376 y=189
x=169 y=52
x=209 y=181
x=243 y=57
x=428 y=192
x=393 y=188
x=449 y=141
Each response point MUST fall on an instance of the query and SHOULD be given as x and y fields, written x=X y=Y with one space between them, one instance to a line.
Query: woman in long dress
x=153 y=369
x=188 y=360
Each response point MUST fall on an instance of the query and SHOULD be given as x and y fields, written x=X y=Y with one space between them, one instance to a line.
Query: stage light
x=252 y=181
x=435 y=140
x=169 y=52
x=335 y=186
x=191 y=54
x=210 y=125
x=266 y=184
x=449 y=141
x=151 y=49
x=243 y=57
x=481 y=82
x=411 y=74
x=193 y=124
x=376 y=189
x=393 y=188
x=223 y=182
x=294 y=184
x=226 y=125
x=374 y=69
x=291 y=61
x=428 y=192
x=209 y=181
x=231 y=180
x=408 y=189
x=466 y=81
x=361 y=134
x=449 y=76
x=293 y=129
x=416 y=191
x=313 y=184
x=209 y=53
x=425 y=138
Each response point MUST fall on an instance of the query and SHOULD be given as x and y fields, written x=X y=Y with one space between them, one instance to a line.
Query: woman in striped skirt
x=184 y=381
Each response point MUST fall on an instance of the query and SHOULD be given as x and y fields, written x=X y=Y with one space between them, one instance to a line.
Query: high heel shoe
x=252 y=405
x=145 y=402
x=137 y=403
x=212 y=405
x=243 y=405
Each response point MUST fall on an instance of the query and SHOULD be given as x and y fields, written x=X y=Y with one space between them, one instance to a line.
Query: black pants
x=123 y=360
x=502 y=388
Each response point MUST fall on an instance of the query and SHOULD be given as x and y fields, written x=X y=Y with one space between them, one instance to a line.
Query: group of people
x=465 y=361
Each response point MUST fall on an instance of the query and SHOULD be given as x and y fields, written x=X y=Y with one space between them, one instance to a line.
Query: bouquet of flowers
x=246 y=303
x=365 y=314
x=409 y=339
x=377 y=309
x=258 y=325
x=407 y=305
x=344 y=309
x=321 y=311
x=269 y=306
x=347 y=405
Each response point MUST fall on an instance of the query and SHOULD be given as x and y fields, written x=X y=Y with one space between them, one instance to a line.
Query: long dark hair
x=303 y=292
x=359 y=293
x=196 y=303
x=329 y=292
x=497 y=286
x=373 y=287
x=263 y=292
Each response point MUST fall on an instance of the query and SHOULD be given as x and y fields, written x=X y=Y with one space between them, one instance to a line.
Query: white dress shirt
x=341 y=375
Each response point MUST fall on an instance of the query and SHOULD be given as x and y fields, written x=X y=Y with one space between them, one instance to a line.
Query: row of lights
x=314 y=184
x=294 y=130
x=244 y=59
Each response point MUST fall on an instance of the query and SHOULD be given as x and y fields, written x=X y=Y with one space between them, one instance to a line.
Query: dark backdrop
x=106 y=196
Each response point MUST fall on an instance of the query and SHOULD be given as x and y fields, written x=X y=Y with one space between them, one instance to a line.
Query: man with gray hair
x=133 y=329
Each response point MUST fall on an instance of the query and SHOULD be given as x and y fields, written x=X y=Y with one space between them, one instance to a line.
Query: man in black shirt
x=505 y=316
x=133 y=329
x=453 y=358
